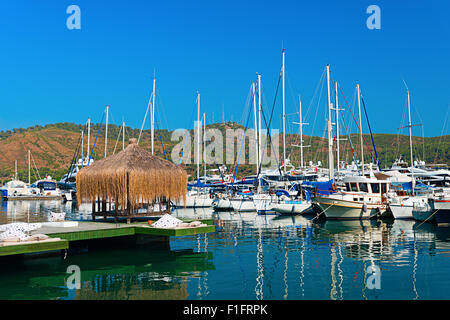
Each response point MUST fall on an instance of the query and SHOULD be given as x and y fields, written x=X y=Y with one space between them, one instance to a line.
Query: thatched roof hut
x=131 y=178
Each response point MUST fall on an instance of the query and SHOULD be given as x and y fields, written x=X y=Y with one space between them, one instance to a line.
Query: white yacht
x=15 y=188
x=46 y=188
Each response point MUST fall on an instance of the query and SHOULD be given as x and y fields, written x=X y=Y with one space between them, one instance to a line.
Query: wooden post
x=128 y=199
x=93 y=209
x=116 y=209
x=104 y=209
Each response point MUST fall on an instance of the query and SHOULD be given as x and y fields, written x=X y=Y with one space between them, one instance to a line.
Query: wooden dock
x=62 y=237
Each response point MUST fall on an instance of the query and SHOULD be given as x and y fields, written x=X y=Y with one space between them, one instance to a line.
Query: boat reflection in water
x=334 y=256
x=38 y=210
x=250 y=256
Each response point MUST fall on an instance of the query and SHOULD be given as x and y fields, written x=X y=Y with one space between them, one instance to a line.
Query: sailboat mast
x=82 y=147
x=301 y=131
x=89 y=136
x=410 y=140
x=337 y=124
x=15 y=165
x=260 y=125
x=360 y=129
x=106 y=129
x=284 y=117
x=152 y=111
x=198 y=135
x=29 y=166
x=123 y=135
x=330 y=139
x=204 y=142
x=256 y=125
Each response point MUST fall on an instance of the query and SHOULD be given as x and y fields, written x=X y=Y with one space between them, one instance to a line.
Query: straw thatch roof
x=131 y=177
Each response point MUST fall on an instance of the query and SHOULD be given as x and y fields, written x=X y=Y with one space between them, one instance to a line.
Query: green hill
x=53 y=147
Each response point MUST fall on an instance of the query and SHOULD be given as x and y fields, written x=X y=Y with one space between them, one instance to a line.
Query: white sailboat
x=402 y=206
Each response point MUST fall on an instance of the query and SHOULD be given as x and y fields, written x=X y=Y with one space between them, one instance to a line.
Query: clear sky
x=52 y=74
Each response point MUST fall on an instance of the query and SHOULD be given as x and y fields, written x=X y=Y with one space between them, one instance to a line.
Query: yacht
x=15 y=188
x=46 y=188
x=363 y=198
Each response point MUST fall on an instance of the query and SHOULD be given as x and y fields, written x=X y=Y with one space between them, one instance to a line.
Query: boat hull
x=243 y=205
x=196 y=201
x=342 y=209
x=401 y=211
x=263 y=204
x=420 y=215
x=292 y=208
x=222 y=205
x=442 y=212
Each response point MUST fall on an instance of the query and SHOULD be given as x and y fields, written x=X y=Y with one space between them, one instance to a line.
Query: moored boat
x=292 y=207
x=441 y=206
x=364 y=198
x=422 y=211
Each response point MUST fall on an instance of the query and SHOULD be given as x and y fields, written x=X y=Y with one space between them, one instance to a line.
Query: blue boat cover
x=321 y=187
x=280 y=192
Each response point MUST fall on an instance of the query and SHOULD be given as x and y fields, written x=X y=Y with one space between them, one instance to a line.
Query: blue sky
x=53 y=74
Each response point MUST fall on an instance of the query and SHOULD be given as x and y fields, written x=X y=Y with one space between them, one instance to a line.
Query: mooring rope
x=427 y=218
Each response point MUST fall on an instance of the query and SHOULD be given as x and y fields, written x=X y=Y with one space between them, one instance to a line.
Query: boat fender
x=364 y=207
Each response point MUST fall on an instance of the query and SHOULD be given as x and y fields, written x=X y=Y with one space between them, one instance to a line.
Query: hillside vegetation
x=53 y=147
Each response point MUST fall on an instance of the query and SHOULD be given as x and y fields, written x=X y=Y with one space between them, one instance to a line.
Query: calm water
x=248 y=257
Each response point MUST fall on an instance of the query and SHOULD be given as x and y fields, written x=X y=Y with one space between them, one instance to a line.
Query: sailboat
x=297 y=204
x=401 y=205
x=44 y=189
x=15 y=188
x=68 y=181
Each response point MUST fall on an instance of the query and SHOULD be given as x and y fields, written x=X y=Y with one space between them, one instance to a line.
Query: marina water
x=249 y=256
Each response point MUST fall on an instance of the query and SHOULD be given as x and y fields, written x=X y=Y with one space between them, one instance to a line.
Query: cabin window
x=375 y=187
x=47 y=186
x=363 y=187
x=347 y=186
x=354 y=187
x=383 y=188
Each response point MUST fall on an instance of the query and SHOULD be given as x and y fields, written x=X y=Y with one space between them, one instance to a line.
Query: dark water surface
x=248 y=257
